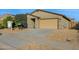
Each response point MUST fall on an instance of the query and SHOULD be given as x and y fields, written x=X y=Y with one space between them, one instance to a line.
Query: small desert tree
x=21 y=18
x=9 y=18
x=17 y=22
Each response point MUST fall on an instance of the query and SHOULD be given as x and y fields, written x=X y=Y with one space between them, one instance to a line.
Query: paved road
x=33 y=39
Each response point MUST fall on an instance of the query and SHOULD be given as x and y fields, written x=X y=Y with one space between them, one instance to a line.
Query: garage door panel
x=48 y=23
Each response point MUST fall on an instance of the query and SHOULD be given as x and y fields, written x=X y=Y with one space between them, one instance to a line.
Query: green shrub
x=1 y=27
x=9 y=18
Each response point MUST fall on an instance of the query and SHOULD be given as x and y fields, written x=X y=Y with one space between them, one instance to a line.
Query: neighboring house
x=47 y=20
x=6 y=15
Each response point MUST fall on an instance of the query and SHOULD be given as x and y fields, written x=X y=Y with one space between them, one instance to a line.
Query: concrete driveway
x=36 y=39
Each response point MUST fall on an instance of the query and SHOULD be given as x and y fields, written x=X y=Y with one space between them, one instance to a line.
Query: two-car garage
x=48 y=23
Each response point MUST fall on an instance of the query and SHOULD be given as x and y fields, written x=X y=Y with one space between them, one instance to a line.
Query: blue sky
x=71 y=13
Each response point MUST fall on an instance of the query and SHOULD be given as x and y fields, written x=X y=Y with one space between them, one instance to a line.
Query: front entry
x=33 y=20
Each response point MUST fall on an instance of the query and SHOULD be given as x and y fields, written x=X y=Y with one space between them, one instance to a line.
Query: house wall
x=73 y=24
x=42 y=14
x=64 y=24
x=30 y=23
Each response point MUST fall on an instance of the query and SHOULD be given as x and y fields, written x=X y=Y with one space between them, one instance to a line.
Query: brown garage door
x=48 y=23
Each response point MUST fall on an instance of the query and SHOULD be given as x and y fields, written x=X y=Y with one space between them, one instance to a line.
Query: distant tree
x=9 y=18
x=21 y=18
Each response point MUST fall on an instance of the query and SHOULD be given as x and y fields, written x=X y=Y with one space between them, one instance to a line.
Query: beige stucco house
x=40 y=19
x=46 y=20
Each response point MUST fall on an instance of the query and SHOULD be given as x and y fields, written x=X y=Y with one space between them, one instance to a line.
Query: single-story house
x=47 y=20
x=40 y=19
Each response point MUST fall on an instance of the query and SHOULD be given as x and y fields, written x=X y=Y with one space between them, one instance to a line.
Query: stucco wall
x=64 y=24
x=30 y=23
x=45 y=14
